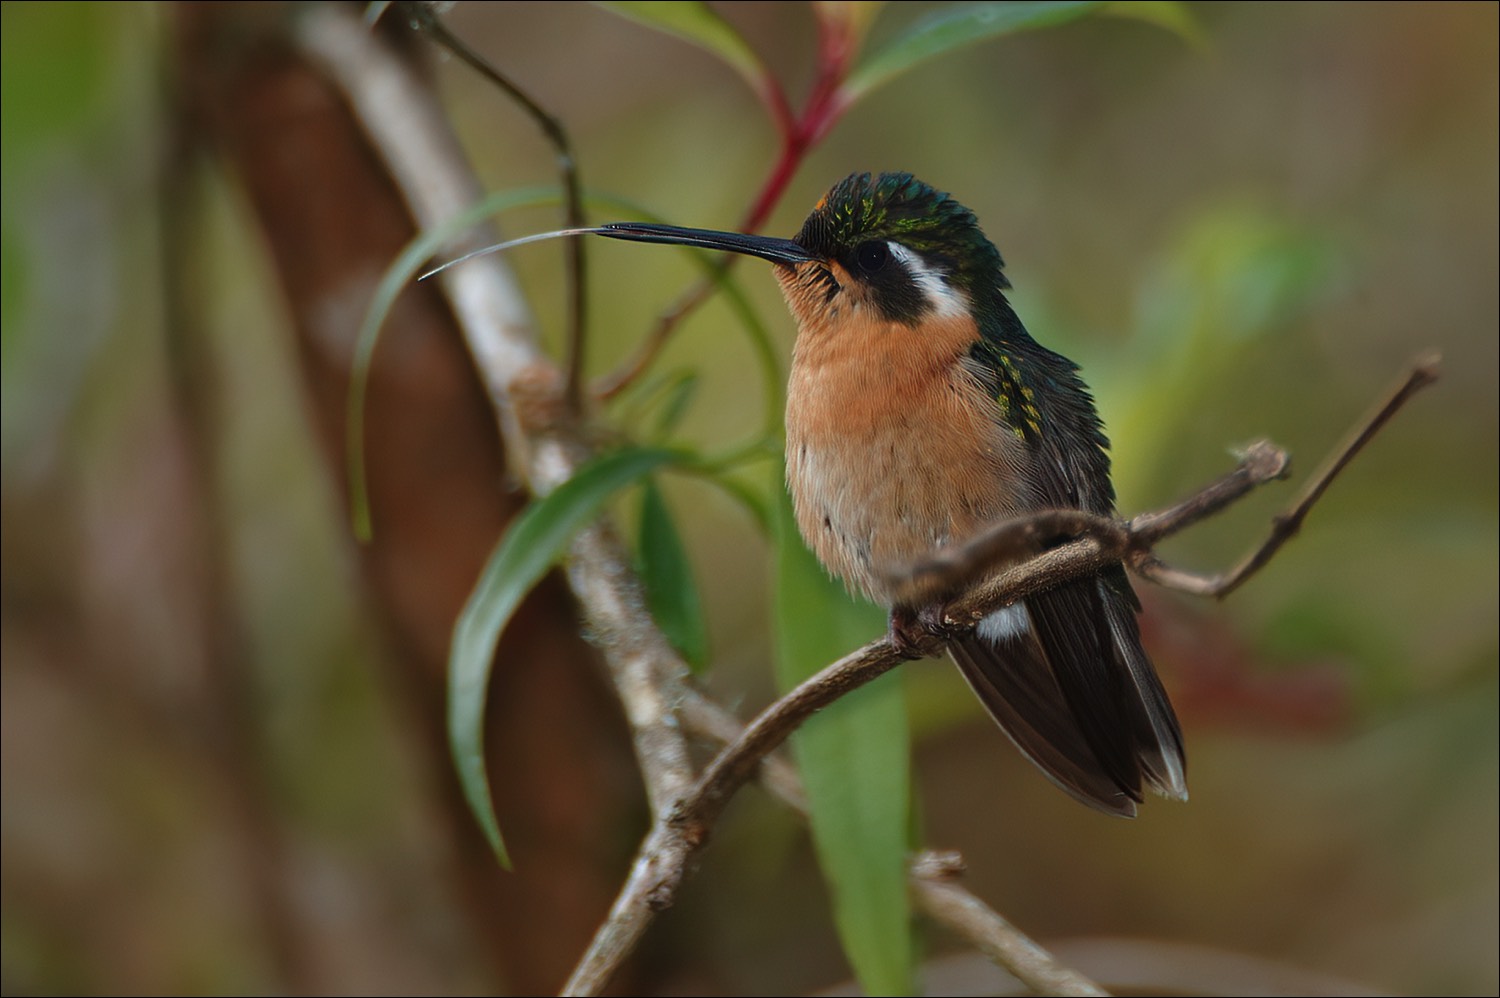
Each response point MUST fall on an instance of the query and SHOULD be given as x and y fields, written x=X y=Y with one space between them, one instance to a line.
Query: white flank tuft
x=1004 y=624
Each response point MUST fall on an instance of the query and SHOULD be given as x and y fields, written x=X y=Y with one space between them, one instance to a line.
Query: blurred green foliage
x=854 y=757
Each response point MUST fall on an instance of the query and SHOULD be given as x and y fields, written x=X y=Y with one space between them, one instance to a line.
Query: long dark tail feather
x=1068 y=682
x=1013 y=681
x=1159 y=741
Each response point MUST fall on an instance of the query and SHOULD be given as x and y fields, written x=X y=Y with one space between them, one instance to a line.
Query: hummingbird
x=919 y=412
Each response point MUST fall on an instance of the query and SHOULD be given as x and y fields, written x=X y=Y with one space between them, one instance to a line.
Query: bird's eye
x=872 y=256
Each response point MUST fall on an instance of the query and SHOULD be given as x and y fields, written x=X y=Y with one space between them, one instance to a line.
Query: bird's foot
x=920 y=632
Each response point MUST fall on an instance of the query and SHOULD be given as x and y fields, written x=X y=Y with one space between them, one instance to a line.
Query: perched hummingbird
x=919 y=412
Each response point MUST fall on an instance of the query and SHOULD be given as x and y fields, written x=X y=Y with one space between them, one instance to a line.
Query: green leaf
x=1165 y=14
x=395 y=280
x=855 y=762
x=670 y=591
x=669 y=395
x=56 y=62
x=536 y=539
x=700 y=25
x=955 y=27
x=678 y=395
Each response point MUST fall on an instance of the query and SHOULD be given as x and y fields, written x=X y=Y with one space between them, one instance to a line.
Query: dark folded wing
x=1013 y=677
x=1075 y=693
x=1073 y=688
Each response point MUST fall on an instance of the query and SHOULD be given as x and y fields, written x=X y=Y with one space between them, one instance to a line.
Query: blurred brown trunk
x=332 y=221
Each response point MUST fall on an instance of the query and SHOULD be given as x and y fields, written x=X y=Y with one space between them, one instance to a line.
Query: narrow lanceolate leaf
x=700 y=25
x=677 y=396
x=1168 y=14
x=668 y=577
x=951 y=28
x=855 y=762
x=397 y=277
x=534 y=542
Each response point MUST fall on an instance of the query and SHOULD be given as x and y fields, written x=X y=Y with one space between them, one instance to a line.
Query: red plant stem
x=825 y=105
x=775 y=101
x=792 y=151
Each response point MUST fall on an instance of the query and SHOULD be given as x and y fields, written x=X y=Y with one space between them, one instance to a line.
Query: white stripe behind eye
x=945 y=299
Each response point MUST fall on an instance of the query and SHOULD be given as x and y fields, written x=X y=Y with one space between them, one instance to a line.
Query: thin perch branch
x=706 y=718
x=1423 y=372
x=955 y=568
x=958 y=568
x=947 y=903
x=636 y=364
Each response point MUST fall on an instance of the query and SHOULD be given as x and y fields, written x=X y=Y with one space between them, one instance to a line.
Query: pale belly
x=879 y=483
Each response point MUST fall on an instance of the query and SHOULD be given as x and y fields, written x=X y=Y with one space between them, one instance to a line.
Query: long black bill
x=783 y=251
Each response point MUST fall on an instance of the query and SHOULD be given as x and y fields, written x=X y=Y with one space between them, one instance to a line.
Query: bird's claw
x=921 y=632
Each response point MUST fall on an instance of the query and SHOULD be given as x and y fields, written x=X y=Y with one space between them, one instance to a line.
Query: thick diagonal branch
x=408 y=130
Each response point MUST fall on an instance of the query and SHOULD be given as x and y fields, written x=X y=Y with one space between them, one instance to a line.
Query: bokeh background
x=1246 y=238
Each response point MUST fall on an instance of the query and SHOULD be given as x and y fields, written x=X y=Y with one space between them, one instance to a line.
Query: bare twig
x=947 y=903
x=425 y=18
x=624 y=376
x=738 y=761
x=1423 y=372
x=1261 y=462
x=954 y=569
x=706 y=718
